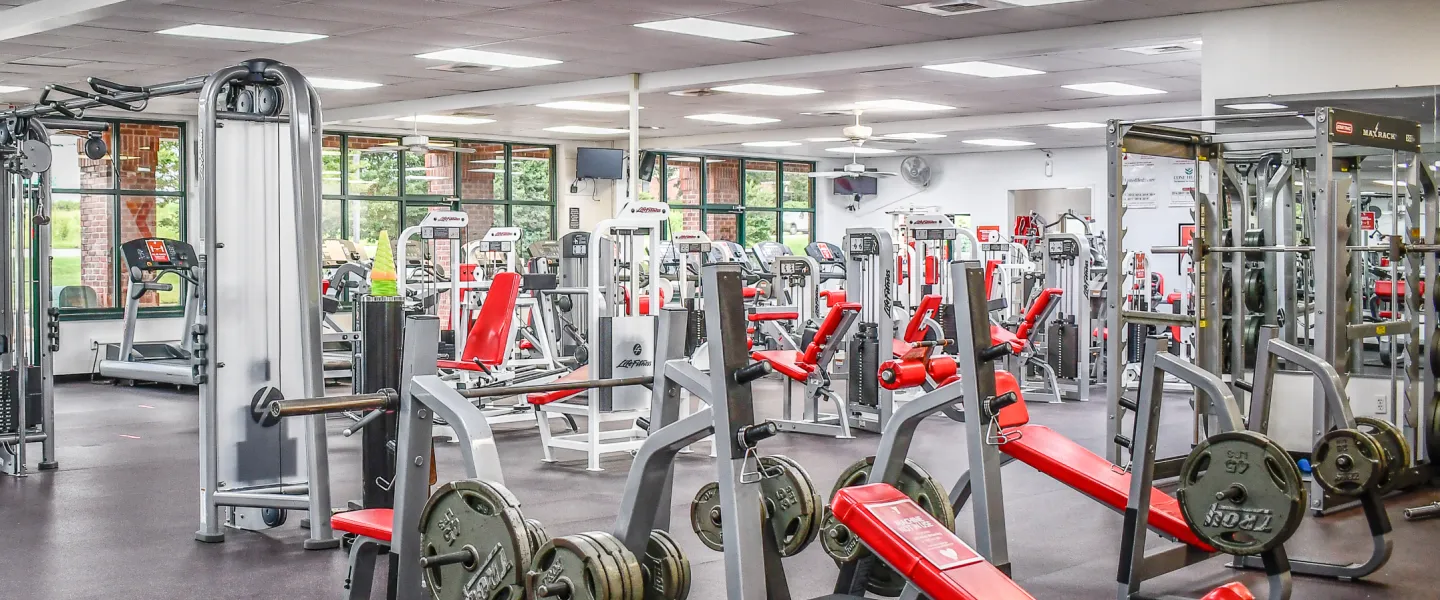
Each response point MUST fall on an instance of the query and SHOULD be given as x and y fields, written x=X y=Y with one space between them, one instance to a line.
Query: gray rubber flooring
x=116 y=521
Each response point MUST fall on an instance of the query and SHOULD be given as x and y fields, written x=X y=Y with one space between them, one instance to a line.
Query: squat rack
x=1334 y=142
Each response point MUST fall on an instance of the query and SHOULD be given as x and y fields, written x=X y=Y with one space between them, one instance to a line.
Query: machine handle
x=369 y=418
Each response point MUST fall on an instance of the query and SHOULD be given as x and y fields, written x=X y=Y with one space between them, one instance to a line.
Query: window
x=499 y=184
x=745 y=200
x=136 y=191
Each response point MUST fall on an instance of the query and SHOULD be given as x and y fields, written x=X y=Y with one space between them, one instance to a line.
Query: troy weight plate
x=576 y=568
x=792 y=508
x=1241 y=493
x=1347 y=462
x=1392 y=444
x=484 y=519
x=665 y=568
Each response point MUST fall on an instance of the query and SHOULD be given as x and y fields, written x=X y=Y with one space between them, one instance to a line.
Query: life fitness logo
x=649 y=210
x=926 y=222
x=503 y=235
x=631 y=363
x=1344 y=128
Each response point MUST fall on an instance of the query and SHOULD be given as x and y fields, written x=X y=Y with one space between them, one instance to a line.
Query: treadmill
x=147 y=260
x=830 y=259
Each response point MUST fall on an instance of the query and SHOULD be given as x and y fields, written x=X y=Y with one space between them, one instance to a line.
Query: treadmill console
x=863 y=244
x=825 y=253
x=1063 y=249
x=575 y=244
x=159 y=254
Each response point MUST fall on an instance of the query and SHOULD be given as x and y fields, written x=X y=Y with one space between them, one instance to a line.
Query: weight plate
x=612 y=576
x=838 y=542
x=665 y=569
x=816 y=504
x=915 y=483
x=684 y=563
x=632 y=577
x=1227 y=290
x=1392 y=444
x=481 y=516
x=1347 y=462
x=572 y=568
x=1255 y=237
x=1254 y=287
x=792 y=508
x=537 y=534
x=705 y=516
x=1241 y=493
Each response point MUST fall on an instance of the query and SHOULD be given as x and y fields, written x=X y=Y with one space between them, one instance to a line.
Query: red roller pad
x=918 y=547
x=1230 y=591
x=773 y=316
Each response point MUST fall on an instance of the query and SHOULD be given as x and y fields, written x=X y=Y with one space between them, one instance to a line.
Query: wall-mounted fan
x=915 y=171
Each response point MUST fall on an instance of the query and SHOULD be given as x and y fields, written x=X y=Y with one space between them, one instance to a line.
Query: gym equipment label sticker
x=158 y=253
x=925 y=535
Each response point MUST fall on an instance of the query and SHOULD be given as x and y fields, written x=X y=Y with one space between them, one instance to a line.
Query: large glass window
x=135 y=191
x=498 y=185
x=746 y=200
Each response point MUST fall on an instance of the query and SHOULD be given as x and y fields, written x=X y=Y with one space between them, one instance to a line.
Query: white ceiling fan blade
x=826 y=174
x=434 y=148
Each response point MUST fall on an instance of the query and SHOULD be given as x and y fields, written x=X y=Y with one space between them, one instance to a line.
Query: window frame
x=117 y=193
x=743 y=207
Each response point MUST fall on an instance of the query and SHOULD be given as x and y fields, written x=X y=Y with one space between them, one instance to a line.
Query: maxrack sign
x=1373 y=131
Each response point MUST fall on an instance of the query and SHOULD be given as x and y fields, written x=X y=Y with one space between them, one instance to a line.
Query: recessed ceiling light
x=765 y=89
x=242 y=34
x=860 y=150
x=734 y=32
x=826 y=139
x=732 y=119
x=984 y=69
x=446 y=120
x=1077 y=125
x=586 y=105
x=493 y=59
x=1113 y=88
x=587 y=130
x=326 y=83
x=1161 y=49
x=7 y=89
x=774 y=144
x=898 y=104
x=1255 y=106
x=915 y=136
x=998 y=142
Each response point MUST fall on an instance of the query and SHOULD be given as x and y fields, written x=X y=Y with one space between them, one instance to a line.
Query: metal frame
x=871 y=281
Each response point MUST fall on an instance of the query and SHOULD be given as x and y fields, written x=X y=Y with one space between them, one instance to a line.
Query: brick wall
x=96 y=251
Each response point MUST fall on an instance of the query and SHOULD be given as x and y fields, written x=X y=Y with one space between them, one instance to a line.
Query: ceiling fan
x=419 y=144
x=858 y=135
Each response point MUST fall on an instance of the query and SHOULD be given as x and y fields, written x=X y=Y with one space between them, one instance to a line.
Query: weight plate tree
x=1241 y=493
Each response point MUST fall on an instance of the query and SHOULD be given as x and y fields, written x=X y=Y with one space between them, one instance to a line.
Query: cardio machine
x=147 y=261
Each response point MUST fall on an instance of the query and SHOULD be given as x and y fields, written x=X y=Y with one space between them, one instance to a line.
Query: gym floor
x=116 y=520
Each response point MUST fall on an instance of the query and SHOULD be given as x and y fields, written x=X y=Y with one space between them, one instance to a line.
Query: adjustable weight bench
x=1035 y=316
x=372 y=528
x=919 y=547
x=811 y=367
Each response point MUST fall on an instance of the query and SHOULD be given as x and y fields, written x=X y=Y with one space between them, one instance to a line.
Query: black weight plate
x=705 y=516
x=664 y=568
x=1392 y=443
x=260 y=405
x=1266 y=513
x=815 y=507
x=1347 y=462
x=791 y=505
x=914 y=482
x=575 y=563
x=1255 y=237
x=1254 y=287
x=838 y=541
x=475 y=514
x=538 y=535
x=685 y=573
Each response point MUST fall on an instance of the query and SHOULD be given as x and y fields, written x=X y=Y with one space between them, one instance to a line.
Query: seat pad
x=578 y=375
x=373 y=523
x=773 y=316
x=1090 y=474
x=787 y=362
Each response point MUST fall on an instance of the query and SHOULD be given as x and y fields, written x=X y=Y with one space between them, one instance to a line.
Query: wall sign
x=574 y=218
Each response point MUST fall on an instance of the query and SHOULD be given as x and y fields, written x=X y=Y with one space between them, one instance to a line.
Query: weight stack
x=694 y=326
x=864 y=357
x=1063 y=341
x=10 y=401
x=377 y=366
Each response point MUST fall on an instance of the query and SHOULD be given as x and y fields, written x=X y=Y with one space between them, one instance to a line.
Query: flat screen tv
x=599 y=163
x=856 y=185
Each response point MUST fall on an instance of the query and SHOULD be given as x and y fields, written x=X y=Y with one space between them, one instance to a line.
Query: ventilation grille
x=1158 y=49
x=950 y=8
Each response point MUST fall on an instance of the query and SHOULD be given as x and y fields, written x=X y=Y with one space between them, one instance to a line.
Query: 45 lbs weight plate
x=484 y=519
x=1241 y=493
x=1347 y=462
x=1392 y=445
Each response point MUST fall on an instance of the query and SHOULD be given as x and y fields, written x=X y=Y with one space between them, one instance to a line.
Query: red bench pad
x=578 y=375
x=1385 y=289
x=373 y=523
x=773 y=316
x=1230 y=591
x=787 y=362
x=926 y=553
x=1000 y=335
x=1090 y=474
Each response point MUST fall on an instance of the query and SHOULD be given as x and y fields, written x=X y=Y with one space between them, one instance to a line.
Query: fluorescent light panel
x=1113 y=88
x=326 y=83
x=860 y=150
x=998 y=143
x=984 y=69
x=773 y=144
x=587 y=130
x=1255 y=106
x=1077 y=125
x=8 y=89
x=446 y=120
x=765 y=89
x=734 y=32
x=898 y=104
x=733 y=119
x=587 y=106
x=491 y=59
x=241 y=34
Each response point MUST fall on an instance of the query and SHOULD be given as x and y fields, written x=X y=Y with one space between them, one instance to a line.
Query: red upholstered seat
x=787 y=362
x=373 y=523
x=919 y=547
x=1000 y=335
x=929 y=307
x=486 y=344
x=1090 y=474
x=1385 y=289
x=580 y=374
x=773 y=316
x=1230 y=591
x=833 y=297
x=799 y=366
x=1037 y=310
x=1173 y=298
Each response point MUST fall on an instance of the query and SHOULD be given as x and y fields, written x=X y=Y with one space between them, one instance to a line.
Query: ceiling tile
x=428 y=8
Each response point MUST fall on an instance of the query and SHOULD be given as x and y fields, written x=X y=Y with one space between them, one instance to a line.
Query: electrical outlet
x=1382 y=404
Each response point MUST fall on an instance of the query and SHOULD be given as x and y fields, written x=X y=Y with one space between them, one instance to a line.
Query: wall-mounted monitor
x=599 y=163
x=856 y=185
